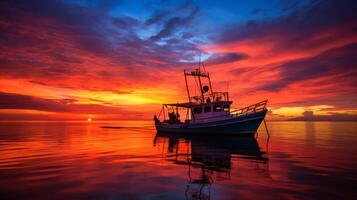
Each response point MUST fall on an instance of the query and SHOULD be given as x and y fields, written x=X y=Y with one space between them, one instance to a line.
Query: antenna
x=199 y=61
x=204 y=68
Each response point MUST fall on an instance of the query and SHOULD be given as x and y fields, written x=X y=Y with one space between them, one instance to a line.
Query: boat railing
x=213 y=97
x=250 y=109
x=240 y=112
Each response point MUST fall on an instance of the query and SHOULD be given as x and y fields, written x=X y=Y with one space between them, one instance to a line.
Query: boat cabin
x=205 y=107
x=210 y=111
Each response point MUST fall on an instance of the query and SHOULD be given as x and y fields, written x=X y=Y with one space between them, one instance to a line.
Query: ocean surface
x=81 y=160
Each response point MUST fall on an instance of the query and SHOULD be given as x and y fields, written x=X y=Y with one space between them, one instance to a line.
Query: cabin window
x=207 y=109
x=217 y=108
x=197 y=110
x=226 y=108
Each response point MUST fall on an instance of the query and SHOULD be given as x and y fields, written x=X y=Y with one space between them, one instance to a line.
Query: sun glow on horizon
x=297 y=111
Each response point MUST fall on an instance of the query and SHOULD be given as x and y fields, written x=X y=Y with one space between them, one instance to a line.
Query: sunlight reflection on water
x=72 y=160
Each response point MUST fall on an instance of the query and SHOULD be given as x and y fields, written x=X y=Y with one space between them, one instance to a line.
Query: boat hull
x=245 y=125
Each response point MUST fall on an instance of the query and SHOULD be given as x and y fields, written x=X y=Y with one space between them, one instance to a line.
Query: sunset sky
x=107 y=60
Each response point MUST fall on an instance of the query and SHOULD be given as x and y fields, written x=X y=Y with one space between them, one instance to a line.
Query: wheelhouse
x=210 y=111
x=205 y=107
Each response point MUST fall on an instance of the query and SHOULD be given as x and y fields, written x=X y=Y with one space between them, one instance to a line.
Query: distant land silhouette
x=309 y=116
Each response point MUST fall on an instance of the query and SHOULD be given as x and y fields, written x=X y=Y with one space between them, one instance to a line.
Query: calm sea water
x=52 y=160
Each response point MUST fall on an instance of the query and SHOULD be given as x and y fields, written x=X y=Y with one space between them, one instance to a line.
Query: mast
x=188 y=91
x=199 y=78
x=199 y=81
x=197 y=74
x=210 y=85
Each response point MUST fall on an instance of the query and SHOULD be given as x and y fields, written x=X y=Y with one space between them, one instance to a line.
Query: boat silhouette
x=209 y=112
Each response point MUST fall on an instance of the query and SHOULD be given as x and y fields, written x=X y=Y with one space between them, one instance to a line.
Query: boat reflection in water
x=209 y=159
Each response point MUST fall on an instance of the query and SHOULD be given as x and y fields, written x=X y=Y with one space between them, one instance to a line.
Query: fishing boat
x=209 y=112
